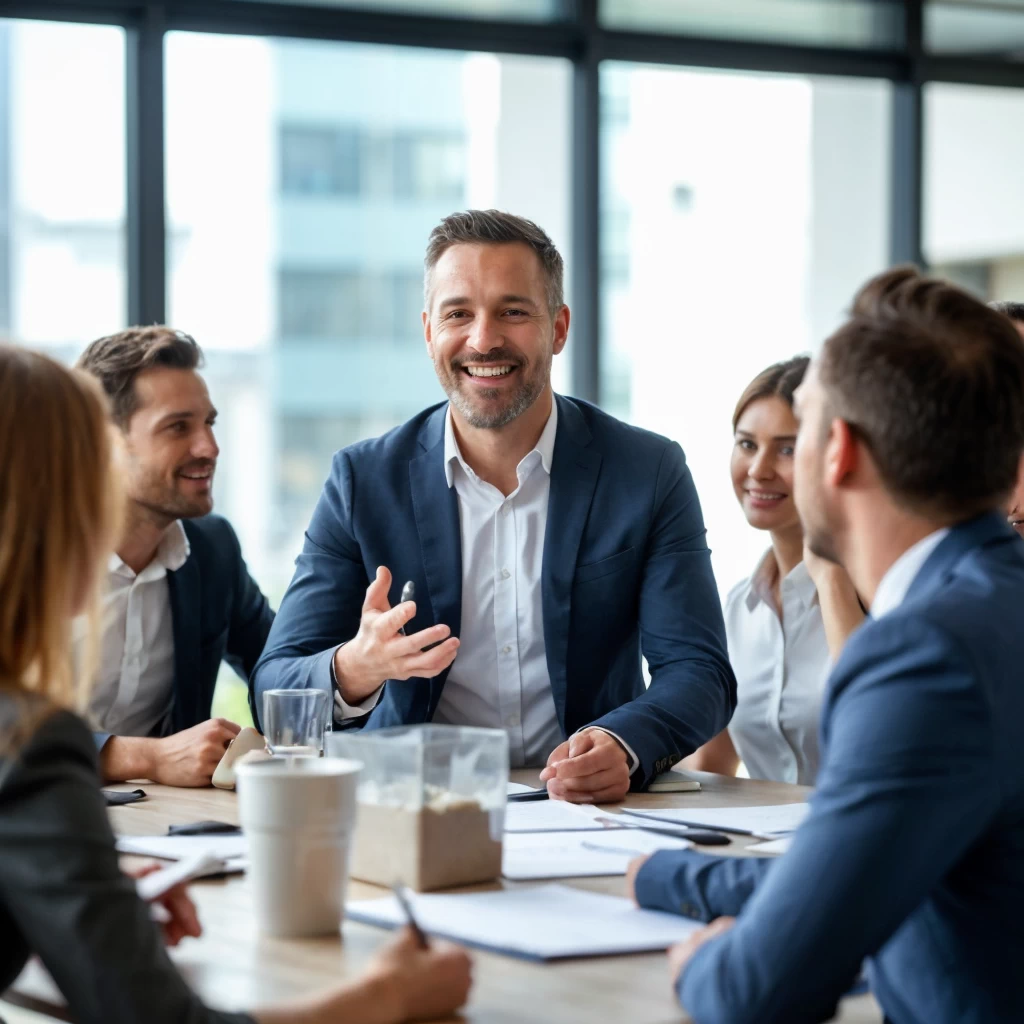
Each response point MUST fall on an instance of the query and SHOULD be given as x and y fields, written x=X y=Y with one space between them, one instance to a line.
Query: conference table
x=233 y=967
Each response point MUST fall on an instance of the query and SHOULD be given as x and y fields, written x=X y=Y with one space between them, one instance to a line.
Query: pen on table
x=408 y=594
x=731 y=829
x=697 y=836
x=403 y=901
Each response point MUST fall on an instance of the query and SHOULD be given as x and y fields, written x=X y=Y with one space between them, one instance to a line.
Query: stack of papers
x=549 y=922
x=232 y=849
x=535 y=855
x=551 y=816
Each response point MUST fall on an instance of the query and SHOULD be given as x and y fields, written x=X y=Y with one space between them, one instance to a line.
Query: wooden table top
x=234 y=968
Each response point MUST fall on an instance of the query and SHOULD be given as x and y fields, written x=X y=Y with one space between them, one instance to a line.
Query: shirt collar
x=764 y=576
x=897 y=581
x=545 y=446
x=170 y=556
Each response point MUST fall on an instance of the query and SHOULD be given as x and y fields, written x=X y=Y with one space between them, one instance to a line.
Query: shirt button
x=506 y=649
x=505 y=574
x=512 y=721
x=506 y=509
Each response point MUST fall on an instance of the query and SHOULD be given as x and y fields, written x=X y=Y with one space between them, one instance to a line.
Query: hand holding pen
x=381 y=650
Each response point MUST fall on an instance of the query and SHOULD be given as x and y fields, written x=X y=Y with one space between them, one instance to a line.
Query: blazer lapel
x=185 y=588
x=436 y=508
x=574 y=471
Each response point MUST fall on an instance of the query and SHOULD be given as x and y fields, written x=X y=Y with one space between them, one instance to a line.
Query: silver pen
x=408 y=594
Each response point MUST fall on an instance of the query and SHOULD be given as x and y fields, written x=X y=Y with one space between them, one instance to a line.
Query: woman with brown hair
x=784 y=621
x=62 y=894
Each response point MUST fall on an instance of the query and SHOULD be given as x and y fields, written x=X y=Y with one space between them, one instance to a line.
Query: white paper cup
x=298 y=816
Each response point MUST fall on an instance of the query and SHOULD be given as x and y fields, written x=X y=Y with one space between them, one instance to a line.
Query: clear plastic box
x=431 y=804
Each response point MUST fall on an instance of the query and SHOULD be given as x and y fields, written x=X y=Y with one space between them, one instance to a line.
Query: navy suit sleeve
x=906 y=788
x=251 y=617
x=324 y=601
x=695 y=885
x=682 y=634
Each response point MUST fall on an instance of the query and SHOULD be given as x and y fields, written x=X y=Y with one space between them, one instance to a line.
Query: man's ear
x=842 y=453
x=428 y=334
x=561 y=329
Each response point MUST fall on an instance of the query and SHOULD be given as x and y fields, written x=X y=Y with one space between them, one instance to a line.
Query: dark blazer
x=63 y=896
x=913 y=854
x=626 y=570
x=219 y=614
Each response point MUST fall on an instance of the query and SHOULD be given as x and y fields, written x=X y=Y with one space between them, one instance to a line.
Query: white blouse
x=781 y=670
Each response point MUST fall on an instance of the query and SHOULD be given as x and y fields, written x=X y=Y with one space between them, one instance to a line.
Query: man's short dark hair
x=119 y=358
x=932 y=381
x=494 y=227
x=1014 y=310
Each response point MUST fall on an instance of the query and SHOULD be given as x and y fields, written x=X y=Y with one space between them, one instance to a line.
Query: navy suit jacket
x=913 y=854
x=626 y=569
x=219 y=614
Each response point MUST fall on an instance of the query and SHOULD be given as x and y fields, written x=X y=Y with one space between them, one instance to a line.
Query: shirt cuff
x=342 y=709
x=634 y=761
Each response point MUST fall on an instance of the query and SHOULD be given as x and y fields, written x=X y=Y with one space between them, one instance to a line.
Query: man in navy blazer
x=912 y=857
x=179 y=599
x=549 y=546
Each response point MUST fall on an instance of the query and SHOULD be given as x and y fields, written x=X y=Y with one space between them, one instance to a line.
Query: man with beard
x=910 y=440
x=180 y=599
x=549 y=546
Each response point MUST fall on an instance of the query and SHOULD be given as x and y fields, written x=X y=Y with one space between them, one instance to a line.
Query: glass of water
x=294 y=722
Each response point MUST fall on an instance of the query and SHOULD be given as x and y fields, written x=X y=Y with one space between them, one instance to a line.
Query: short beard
x=530 y=390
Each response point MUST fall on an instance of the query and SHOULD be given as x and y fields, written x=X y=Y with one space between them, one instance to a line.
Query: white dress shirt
x=133 y=691
x=897 y=581
x=782 y=666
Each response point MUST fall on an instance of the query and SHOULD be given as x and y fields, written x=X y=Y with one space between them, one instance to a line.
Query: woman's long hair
x=60 y=510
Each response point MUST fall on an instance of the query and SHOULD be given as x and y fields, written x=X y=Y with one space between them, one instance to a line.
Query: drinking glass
x=294 y=722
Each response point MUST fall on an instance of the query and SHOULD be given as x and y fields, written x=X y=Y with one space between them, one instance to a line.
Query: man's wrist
x=352 y=689
x=128 y=757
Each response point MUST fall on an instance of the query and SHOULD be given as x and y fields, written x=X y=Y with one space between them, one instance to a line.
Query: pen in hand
x=408 y=594
x=403 y=901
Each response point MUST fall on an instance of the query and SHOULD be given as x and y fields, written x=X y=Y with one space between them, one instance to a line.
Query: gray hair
x=494 y=227
x=1014 y=310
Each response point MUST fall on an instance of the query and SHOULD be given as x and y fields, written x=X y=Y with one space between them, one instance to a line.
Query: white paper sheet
x=547 y=922
x=534 y=855
x=769 y=820
x=776 y=846
x=229 y=848
x=550 y=816
x=518 y=787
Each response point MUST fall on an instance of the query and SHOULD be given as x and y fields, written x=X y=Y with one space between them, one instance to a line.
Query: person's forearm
x=697 y=885
x=127 y=757
x=370 y=1000
x=841 y=611
x=717 y=755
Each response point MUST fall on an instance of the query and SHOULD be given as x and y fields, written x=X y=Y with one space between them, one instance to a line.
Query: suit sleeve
x=682 y=634
x=906 y=789
x=61 y=886
x=251 y=617
x=699 y=886
x=324 y=601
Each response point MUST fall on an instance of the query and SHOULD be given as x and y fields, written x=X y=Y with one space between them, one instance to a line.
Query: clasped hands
x=590 y=767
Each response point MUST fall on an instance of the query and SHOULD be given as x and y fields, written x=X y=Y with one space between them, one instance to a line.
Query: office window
x=974 y=203
x=515 y=10
x=748 y=209
x=847 y=23
x=320 y=161
x=62 y=184
x=976 y=28
x=303 y=179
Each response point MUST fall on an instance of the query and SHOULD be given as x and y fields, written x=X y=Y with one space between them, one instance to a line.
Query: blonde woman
x=62 y=895
x=791 y=616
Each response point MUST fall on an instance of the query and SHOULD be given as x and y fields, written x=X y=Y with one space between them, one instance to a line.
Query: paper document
x=535 y=855
x=518 y=787
x=548 y=922
x=768 y=820
x=775 y=846
x=549 y=816
x=229 y=848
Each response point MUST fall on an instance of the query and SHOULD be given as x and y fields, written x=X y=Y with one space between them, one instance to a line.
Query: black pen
x=408 y=594
x=399 y=890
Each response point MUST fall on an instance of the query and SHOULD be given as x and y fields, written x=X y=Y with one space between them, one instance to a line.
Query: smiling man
x=180 y=599
x=549 y=546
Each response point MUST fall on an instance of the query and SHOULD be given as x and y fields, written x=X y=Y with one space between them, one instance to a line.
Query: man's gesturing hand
x=379 y=652
x=588 y=768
